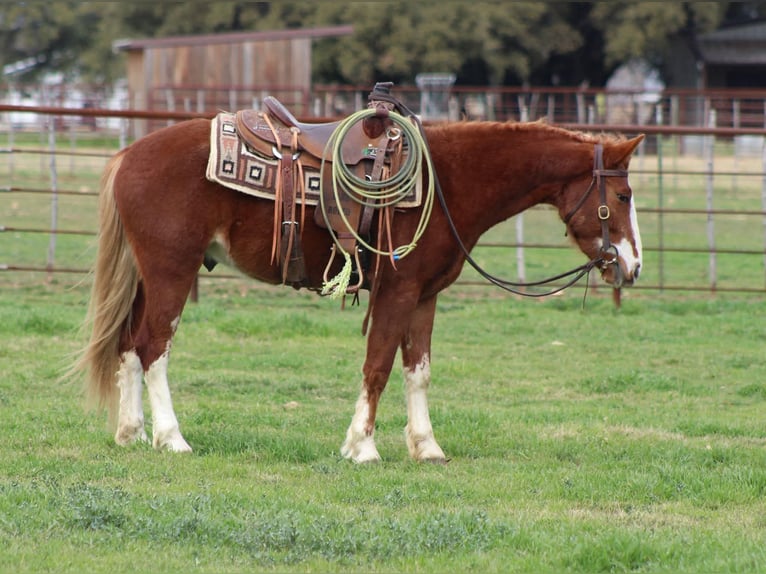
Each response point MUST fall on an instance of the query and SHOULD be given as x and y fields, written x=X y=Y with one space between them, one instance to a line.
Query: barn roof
x=231 y=38
x=735 y=45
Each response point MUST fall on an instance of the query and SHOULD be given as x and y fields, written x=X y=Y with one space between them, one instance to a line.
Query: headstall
x=608 y=251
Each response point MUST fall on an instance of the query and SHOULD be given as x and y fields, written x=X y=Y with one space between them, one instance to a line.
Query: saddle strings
x=277 y=236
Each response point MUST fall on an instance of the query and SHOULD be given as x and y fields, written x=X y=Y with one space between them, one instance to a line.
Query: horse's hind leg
x=152 y=340
x=416 y=360
x=130 y=424
x=166 y=433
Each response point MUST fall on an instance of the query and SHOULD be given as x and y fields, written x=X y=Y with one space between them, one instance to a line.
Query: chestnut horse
x=160 y=216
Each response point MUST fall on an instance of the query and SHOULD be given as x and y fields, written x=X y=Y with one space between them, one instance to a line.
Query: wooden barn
x=221 y=71
x=735 y=56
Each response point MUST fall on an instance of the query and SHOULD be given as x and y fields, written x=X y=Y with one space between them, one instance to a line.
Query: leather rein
x=607 y=254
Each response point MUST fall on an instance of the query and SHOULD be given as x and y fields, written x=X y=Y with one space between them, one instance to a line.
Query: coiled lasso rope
x=377 y=194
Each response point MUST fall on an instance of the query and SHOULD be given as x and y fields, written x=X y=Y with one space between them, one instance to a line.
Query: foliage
x=481 y=42
x=644 y=29
x=52 y=35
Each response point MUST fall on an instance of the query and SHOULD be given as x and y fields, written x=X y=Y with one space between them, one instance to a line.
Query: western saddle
x=367 y=148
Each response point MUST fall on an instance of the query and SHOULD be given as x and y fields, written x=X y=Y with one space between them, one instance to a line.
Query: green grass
x=581 y=441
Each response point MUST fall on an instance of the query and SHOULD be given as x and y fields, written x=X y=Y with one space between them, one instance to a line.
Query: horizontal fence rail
x=701 y=203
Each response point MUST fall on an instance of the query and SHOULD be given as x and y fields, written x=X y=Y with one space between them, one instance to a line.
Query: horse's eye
x=623 y=198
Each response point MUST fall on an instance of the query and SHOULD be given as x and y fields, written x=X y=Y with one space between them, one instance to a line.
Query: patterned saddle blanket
x=237 y=164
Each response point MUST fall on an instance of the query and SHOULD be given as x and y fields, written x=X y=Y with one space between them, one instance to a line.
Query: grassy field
x=581 y=440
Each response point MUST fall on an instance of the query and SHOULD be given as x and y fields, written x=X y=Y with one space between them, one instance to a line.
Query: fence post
x=551 y=108
x=660 y=207
x=54 y=195
x=520 y=263
x=11 y=142
x=735 y=122
x=580 y=107
x=763 y=185
x=124 y=126
x=491 y=113
x=170 y=103
x=677 y=149
x=521 y=268
x=72 y=146
x=709 y=154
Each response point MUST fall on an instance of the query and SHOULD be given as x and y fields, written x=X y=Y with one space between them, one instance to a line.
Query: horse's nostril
x=637 y=271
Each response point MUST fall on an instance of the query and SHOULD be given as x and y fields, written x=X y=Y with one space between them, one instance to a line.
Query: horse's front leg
x=416 y=360
x=386 y=332
x=359 y=445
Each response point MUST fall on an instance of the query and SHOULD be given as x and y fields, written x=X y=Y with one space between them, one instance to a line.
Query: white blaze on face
x=631 y=254
x=636 y=231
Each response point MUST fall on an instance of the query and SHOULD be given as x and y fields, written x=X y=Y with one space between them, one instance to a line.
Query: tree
x=645 y=29
x=499 y=43
x=485 y=41
x=46 y=35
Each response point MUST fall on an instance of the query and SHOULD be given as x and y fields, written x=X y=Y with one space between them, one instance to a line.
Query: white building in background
x=53 y=89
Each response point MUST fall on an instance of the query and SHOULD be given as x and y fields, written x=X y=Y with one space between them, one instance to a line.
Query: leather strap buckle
x=603 y=212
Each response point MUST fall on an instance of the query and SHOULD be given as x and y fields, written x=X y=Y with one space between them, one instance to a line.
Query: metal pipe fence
x=694 y=202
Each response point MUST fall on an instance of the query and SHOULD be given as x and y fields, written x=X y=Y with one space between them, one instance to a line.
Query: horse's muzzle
x=618 y=273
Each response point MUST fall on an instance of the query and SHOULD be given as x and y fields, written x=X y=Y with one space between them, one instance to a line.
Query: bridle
x=608 y=252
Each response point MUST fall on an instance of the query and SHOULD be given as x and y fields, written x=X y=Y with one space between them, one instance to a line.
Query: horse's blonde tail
x=115 y=281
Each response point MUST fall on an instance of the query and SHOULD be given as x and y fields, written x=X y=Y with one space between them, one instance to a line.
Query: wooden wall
x=228 y=71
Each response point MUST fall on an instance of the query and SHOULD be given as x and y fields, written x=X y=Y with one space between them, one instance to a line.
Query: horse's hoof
x=425 y=449
x=126 y=436
x=362 y=452
x=177 y=446
x=172 y=442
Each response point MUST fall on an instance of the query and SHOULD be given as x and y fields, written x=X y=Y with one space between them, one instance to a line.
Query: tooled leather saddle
x=294 y=149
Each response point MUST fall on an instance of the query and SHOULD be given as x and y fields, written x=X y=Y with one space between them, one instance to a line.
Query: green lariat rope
x=376 y=194
x=336 y=287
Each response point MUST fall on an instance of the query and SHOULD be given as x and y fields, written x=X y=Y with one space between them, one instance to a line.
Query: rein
x=607 y=254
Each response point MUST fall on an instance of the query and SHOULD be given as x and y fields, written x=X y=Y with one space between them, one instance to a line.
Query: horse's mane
x=540 y=127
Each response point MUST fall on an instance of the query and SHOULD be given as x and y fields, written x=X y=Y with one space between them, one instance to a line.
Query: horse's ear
x=619 y=153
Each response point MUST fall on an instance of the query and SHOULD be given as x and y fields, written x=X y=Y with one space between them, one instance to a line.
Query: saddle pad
x=231 y=164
